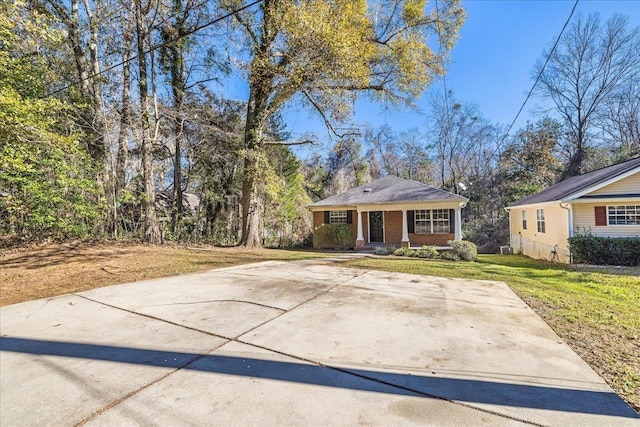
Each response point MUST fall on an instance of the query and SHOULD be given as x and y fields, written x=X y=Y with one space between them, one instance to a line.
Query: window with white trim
x=623 y=215
x=524 y=220
x=422 y=221
x=431 y=221
x=337 y=217
x=541 y=221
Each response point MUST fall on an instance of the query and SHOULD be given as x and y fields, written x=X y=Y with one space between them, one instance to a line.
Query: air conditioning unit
x=506 y=250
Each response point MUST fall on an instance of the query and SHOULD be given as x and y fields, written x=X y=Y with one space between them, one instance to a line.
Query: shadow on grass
x=457 y=389
x=48 y=257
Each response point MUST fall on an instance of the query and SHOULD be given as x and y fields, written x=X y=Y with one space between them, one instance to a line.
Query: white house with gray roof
x=605 y=202
x=392 y=211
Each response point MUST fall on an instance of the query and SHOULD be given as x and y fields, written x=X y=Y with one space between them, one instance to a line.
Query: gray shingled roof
x=576 y=184
x=389 y=189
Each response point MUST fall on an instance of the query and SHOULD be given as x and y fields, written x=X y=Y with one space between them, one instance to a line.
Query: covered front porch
x=415 y=225
x=392 y=211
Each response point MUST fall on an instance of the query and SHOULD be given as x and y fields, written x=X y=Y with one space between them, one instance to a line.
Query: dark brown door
x=376 y=227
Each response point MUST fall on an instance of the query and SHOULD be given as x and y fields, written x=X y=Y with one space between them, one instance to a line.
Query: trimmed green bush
x=590 y=249
x=428 y=252
x=449 y=255
x=463 y=250
x=404 y=252
x=381 y=250
x=332 y=236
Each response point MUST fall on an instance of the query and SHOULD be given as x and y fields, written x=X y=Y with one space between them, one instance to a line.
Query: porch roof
x=390 y=189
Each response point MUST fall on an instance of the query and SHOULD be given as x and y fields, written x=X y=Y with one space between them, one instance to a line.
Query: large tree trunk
x=252 y=204
x=91 y=88
x=261 y=82
x=125 y=113
x=122 y=155
x=152 y=231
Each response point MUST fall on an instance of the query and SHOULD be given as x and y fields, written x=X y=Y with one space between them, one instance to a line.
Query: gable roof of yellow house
x=581 y=186
x=605 y=202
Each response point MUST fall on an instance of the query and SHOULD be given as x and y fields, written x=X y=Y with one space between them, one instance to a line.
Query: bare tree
x=591 y=62
x=621 y=120
x=463 y=143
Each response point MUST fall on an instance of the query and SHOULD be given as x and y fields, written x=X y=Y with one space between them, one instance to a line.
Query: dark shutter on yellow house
x=601 y=215
x=411 y=223
x=452 y=221
x=326 y=217
x=349 y=217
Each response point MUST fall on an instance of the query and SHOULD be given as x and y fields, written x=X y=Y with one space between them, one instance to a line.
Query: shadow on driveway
x=463 y=390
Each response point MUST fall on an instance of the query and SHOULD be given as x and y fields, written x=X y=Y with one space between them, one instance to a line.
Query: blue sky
x=490 y=66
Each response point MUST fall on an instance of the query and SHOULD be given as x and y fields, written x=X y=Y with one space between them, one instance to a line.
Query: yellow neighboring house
x=605 y=202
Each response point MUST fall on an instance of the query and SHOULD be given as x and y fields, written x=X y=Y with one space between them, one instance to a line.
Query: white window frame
x=422 y=221
x=623 y=211
x=431 y=221
x=541 y=221
x=524 y=219
x=337 y=217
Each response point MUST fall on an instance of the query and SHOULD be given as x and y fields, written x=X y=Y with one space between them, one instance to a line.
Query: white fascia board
x=602 y=184
x=394 y=206
x=331 y=208
x=534 y=205
x=605 y=200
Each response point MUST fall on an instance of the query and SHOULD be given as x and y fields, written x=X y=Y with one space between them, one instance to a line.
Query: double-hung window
x=337 y=217
x=431 y=221
x=423 y=221
x=524 y=220
x=540 y=220
x=623 y=215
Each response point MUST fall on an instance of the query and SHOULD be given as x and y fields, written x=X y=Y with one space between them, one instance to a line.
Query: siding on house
x=535 y=244
x=584 y=221
x=628 y=185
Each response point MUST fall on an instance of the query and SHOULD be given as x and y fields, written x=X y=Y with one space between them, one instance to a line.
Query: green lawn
x=595 y=310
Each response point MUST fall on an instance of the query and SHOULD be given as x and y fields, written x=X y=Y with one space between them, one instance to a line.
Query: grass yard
x=595 y=310
x=50 y=270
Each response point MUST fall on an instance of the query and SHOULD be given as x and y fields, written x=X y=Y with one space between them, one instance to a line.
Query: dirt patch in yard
x=56 y=269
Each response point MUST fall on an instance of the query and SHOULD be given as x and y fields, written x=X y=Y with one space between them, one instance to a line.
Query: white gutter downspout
x=569 y=209
x=509 y=213
x=458 y=222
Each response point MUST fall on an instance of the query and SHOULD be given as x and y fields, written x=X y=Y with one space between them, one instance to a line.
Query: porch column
x=360 y=237
x=405 y=229
x=458 y=234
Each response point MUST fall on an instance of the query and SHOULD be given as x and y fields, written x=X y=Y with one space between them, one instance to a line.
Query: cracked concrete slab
x=317 y=344
x=63 y=359
x=241 y=384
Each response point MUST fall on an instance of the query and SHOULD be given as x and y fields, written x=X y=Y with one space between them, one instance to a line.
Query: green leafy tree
x=529 y=163
x=326 y=53
x=287 y=219
x=45 y=174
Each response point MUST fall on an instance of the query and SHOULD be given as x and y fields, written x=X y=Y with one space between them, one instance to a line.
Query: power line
x=541 y=70
x=158 y=46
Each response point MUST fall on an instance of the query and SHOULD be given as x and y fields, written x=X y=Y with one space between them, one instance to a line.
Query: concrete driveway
x=298 y=343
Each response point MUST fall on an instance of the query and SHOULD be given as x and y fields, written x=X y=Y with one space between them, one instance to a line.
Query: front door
x=376 y=227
